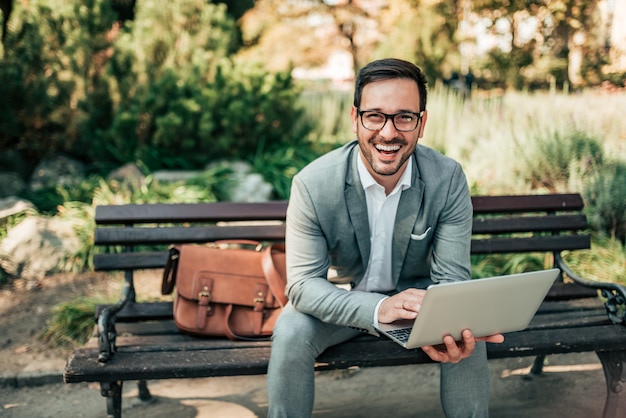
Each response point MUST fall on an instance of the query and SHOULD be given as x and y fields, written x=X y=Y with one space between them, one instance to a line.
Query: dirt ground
x=572 y=386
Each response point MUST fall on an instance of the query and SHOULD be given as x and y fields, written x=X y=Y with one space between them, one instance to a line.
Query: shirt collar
x=368 y=181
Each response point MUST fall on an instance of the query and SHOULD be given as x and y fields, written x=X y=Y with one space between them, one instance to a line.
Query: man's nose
x=389 y=129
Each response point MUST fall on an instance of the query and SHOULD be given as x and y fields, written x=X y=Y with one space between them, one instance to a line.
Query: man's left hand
x=452 y=351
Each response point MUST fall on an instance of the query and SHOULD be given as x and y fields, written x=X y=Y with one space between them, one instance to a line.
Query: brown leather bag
x=233 y=292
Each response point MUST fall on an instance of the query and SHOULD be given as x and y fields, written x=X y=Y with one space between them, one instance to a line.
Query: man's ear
x=423 y=124
x=355 y=118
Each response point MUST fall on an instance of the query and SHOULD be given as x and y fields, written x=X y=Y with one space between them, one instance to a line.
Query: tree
x=565 y=38
x=50 y=66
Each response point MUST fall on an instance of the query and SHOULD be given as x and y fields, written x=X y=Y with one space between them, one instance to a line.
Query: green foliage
x=552 y=160
x=327 y=111
x=501 y=264
x=182 y=123
x=605 y=195
x=604 y=262
x=181 y=103
x=158 y=90
x=279 y=166
x=71 y=323
x=34 y=83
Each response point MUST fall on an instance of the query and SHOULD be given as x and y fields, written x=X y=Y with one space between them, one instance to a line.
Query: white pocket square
x=420 y=236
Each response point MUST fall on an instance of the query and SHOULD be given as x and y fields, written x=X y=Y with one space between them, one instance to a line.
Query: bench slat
x=157 y=259
x=182 y=234
x=530 y=244
x=364 y=351
x=122 y=261
x=191 y=212
x=527 y=203
x=529 y=224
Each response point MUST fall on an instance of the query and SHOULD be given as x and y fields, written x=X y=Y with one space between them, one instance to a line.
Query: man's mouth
x=387 y=149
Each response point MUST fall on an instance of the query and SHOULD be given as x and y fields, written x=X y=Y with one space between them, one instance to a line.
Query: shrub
x=551 y=161
x=605 y=195
x=71 y=323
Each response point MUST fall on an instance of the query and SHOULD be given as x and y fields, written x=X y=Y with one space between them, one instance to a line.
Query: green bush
x=182 y=123
x=552 y=160
x=71 y=323
x=605 y=196
x=157 y=90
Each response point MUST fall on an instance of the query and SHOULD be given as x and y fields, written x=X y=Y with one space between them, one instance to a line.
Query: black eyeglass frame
x=392 y=117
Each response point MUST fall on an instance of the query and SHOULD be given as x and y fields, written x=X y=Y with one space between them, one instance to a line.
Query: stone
x=128 y=174
x=172 y=176
x=12 y=205
x=244 y=184
x=37 y=247
x=11 y=184
x=54 y=171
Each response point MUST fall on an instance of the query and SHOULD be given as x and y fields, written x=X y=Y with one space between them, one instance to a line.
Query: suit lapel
x=408 y=209
x=357 y=208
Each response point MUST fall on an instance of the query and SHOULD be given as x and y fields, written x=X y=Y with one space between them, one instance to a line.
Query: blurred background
x=122 y=101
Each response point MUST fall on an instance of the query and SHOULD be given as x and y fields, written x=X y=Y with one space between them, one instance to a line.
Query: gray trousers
x=299 y=338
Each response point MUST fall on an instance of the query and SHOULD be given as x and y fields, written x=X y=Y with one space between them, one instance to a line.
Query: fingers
x=404 y=305
x=451 y=351
x=496 y=338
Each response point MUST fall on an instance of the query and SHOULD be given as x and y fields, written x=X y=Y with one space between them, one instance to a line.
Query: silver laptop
x=485 y=306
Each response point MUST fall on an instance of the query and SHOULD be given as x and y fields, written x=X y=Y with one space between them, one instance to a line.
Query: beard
x=380 y=160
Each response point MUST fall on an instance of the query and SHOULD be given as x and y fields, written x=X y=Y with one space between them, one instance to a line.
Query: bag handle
x=275 y=280
x=169 y=274
x=229 y=332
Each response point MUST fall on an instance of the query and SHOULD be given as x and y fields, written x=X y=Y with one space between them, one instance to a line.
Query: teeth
x=388 y=148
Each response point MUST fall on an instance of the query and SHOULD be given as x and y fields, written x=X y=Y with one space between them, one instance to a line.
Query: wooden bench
x=137 y=341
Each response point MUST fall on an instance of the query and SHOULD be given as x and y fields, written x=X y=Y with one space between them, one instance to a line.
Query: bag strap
x=229 y=332
x=169 y=274
x=274 y=279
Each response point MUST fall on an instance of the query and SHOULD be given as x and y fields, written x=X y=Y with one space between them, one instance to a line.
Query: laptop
x=485 y=306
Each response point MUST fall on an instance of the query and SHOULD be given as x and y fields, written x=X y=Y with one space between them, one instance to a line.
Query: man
x=390 y=217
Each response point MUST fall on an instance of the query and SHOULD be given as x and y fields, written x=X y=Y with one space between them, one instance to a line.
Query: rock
x=12 y=205
x=55 y=171
x=244 y=184
x=37 y=247
x=172 y=176
x=10 y=184
x=129 y=175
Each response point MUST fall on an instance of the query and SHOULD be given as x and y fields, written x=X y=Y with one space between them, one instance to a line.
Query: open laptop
x=485 y=306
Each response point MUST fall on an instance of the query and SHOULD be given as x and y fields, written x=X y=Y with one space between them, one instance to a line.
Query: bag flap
x=230 y=276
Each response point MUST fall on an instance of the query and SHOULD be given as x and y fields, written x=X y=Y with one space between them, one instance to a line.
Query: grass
x=71 y=323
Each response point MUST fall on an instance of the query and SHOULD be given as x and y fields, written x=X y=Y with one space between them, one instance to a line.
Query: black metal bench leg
x=144 y=392
x=113 y=392
x=537 y=367
x=613 y=363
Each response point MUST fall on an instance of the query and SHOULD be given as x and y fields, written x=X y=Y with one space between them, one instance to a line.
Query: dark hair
x=390 y=68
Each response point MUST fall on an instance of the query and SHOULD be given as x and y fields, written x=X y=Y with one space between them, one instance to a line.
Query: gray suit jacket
x=327 y=226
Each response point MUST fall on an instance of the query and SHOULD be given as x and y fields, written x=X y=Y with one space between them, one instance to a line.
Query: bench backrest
x=502 y=224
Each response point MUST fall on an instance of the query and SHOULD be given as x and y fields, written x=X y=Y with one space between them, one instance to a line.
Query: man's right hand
x=403 y=305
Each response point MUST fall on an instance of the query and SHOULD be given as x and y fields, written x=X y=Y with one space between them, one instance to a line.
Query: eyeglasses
x=402 y=121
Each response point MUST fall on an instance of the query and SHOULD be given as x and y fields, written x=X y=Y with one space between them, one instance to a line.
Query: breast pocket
x=421 y=236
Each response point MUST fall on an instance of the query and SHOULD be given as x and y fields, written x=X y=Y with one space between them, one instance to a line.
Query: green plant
x=554 y=158
x=605 y=194
x=604 y=262
x=71 y=323
x=49 y=64
x=500 y=264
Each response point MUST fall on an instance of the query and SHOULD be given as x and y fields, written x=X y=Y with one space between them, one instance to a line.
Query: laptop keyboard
x=402 y=334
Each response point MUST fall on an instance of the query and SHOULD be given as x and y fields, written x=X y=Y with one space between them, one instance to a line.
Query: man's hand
x=453 y=352
x=403 y=305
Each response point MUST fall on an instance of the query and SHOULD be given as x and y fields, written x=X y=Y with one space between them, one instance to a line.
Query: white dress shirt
x=381 y=213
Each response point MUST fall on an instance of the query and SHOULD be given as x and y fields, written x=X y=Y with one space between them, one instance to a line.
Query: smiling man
x=391 y=217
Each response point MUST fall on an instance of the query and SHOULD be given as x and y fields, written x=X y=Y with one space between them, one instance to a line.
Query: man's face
x=386 y=150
